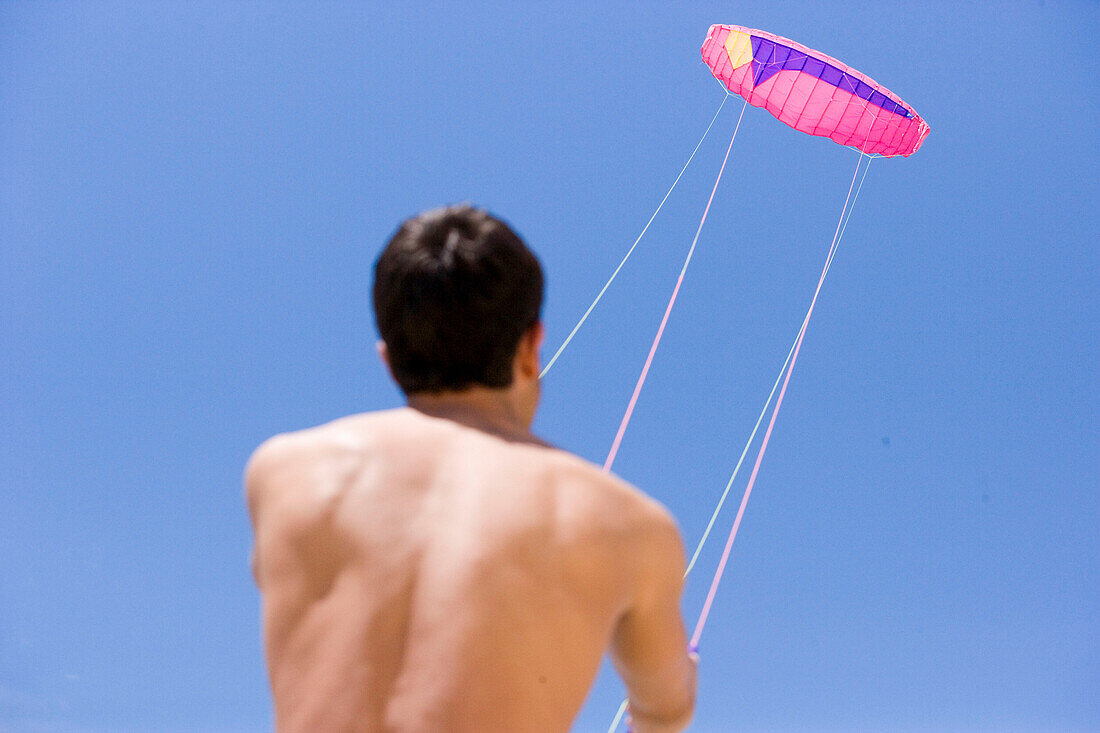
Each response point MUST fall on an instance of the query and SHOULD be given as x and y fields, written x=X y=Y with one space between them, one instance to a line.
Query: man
x=439 y=568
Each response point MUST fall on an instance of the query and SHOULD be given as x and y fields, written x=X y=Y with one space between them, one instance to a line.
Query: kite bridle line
x=764 y=409
x=668 y=310
x=630 y=251
x=785 y=375
x=841 y=225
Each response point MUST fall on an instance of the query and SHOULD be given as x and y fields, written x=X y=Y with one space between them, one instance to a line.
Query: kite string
x=767 y=402
x=630 y=251
x=668 y=310
x=618 y=717
x=694 y=644
x=845 y=216
x=740 y=460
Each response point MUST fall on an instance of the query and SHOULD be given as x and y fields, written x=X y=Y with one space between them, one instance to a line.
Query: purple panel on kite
x=769 y=58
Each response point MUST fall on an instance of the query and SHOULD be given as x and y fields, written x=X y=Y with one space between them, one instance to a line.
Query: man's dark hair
x=454 y=291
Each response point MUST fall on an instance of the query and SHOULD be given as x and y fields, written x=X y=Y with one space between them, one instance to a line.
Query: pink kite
x=812 y=92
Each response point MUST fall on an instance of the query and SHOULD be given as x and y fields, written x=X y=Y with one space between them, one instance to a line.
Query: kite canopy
x=812 y=92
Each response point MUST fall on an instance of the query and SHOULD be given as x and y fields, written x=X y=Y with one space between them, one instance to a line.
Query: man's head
x=455 y=293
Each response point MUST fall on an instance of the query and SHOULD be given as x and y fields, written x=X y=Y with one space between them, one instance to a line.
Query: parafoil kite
x=812 y=92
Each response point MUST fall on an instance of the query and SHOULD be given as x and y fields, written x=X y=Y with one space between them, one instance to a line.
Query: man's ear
x=384 y=355
x=529 y=346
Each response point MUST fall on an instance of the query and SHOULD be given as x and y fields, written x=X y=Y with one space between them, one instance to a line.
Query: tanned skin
x=438 y=568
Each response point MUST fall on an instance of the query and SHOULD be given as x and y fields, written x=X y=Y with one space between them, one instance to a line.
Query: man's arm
x=649 y=647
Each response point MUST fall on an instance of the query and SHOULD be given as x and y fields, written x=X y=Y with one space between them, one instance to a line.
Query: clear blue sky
x=191 y=199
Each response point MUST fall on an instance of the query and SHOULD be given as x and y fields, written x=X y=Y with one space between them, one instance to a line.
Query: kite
x=812 y=92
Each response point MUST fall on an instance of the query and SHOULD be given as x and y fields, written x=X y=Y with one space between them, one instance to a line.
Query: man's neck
x=491 y=410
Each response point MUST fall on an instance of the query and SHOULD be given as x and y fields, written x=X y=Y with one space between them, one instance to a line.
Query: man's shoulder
x=595 y=491
x=608 y=518
x=296 y=465
x=323 y=440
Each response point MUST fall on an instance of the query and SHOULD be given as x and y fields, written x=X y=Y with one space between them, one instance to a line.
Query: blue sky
x=192 y=196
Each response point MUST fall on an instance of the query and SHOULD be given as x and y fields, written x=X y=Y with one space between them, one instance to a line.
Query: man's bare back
x=437 y=573
x=438 y=568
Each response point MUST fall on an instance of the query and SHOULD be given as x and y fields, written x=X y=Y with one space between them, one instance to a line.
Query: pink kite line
x=694 y=644
x=668 y=310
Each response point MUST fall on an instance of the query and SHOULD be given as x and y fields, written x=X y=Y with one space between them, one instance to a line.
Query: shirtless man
x=437 y=567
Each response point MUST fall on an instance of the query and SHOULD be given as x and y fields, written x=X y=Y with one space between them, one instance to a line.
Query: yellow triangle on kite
x=739 y=48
